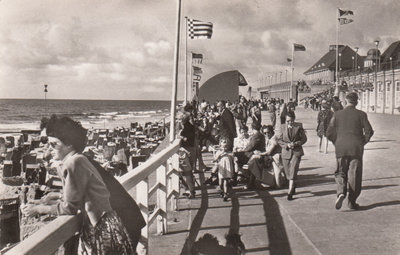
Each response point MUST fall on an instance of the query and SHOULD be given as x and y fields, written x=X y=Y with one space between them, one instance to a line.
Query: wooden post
x=162 y=199
x=142 y=199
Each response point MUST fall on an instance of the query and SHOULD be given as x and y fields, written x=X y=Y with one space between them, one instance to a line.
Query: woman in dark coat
x=324 y=116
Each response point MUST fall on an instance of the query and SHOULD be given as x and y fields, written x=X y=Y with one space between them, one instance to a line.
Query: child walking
x=225 y=167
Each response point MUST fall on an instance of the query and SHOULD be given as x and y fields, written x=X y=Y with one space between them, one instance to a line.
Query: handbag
x=122 y=203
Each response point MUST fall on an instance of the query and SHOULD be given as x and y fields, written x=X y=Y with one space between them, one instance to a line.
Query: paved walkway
x=310 y=224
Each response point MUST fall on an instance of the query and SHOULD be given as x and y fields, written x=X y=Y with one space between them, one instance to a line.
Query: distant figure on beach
x=84 y=190
x=291 y=140
x=324 y=117
x=349 y=130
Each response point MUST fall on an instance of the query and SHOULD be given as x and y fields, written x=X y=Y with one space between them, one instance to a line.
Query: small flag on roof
x=345 y=12
x=344 y=21
x=299 y=47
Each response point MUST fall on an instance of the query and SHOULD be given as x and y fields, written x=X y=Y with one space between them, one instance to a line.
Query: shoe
x=354 y=206
x=289 y=197
x=221 y=194
x=339 y=201
x=225 y=198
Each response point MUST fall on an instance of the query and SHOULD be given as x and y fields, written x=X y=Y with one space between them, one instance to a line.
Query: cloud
x=125 y=49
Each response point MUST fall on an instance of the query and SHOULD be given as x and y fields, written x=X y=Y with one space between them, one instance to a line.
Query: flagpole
x=175 y=77
x=337 y=54
x=186 y=42
x=191 y=77
x=291 y=74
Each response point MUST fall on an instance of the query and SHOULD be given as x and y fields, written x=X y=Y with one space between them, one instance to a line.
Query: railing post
x=173 y=181
x=142 y=199
x=162 y=198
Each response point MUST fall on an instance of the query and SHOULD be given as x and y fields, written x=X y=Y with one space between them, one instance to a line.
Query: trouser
x=349 y=171
x=291 y=167
x=186 y=163
x=278 y=169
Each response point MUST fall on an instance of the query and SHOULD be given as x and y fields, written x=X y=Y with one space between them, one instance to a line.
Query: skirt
x=109 y=236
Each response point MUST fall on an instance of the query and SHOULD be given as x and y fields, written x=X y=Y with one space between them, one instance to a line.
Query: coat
x=297 y=136
x=227 y=126
x=349 y=130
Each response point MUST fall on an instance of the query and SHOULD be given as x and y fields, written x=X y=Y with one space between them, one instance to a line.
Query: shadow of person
x=381 y=204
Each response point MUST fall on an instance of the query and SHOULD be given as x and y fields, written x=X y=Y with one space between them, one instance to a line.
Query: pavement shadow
x=278 y=239
x=381 y=204
x=197 y=220
x=380 y=148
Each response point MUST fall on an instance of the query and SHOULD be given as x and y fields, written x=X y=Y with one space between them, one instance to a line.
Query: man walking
x=349 y=130
x=291 y=140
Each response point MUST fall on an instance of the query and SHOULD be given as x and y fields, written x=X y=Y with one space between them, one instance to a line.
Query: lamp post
x=391 y=63
x=280 y=77
x=377 y=55
x=45 y=99
x=356 y=62
x=376 y=75
x=340 y=64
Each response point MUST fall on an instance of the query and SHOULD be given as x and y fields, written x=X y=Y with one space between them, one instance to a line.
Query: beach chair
x=7 y=170
x=10 y=141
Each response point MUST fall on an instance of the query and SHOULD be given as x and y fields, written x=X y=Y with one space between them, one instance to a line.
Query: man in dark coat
x=227 y=127
x=349 y=130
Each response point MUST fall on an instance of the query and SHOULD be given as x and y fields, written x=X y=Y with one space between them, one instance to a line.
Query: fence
x=166 y=163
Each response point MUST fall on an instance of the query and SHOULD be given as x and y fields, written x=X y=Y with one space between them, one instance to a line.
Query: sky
x=124 y=49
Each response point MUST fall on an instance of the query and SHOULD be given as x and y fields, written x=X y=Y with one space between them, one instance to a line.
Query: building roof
x=222 y=86
x=392 y=51
x=328 y=61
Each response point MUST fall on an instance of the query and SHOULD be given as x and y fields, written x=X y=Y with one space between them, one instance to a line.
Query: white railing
x=166 y=164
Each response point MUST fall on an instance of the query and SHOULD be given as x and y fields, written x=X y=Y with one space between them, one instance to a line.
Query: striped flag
x=345 y=12
x=344 y=21
x=199 y=29
x=299 y=47
x=197 y=58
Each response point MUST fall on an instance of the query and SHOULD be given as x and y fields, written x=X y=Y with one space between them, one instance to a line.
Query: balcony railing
x=166 y=164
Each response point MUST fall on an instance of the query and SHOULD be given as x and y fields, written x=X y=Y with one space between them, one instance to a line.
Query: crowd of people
x=246 y=151
x=243 y=149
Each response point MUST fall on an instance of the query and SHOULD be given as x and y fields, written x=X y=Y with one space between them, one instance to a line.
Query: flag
x=345 y=12
x=299 y=47
x=199 y=29
x=197 y=58
x=196 y=77
x=289 y=60
x=197 y=70
x=344 y=21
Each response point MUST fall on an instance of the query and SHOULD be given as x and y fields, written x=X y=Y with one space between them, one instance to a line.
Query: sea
x=21 y=114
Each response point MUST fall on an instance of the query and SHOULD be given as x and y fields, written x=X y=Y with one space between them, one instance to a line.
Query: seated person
x=273 y=154
x=256 y=143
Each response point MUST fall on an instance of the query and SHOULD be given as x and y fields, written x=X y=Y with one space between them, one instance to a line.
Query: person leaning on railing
x=84 y=190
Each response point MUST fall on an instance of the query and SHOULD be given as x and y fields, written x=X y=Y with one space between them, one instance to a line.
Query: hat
x=352 y=97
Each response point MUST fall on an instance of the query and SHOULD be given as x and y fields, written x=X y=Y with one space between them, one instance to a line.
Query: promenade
x=310 y=224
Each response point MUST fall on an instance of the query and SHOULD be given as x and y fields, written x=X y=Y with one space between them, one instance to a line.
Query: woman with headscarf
x=324 y=117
